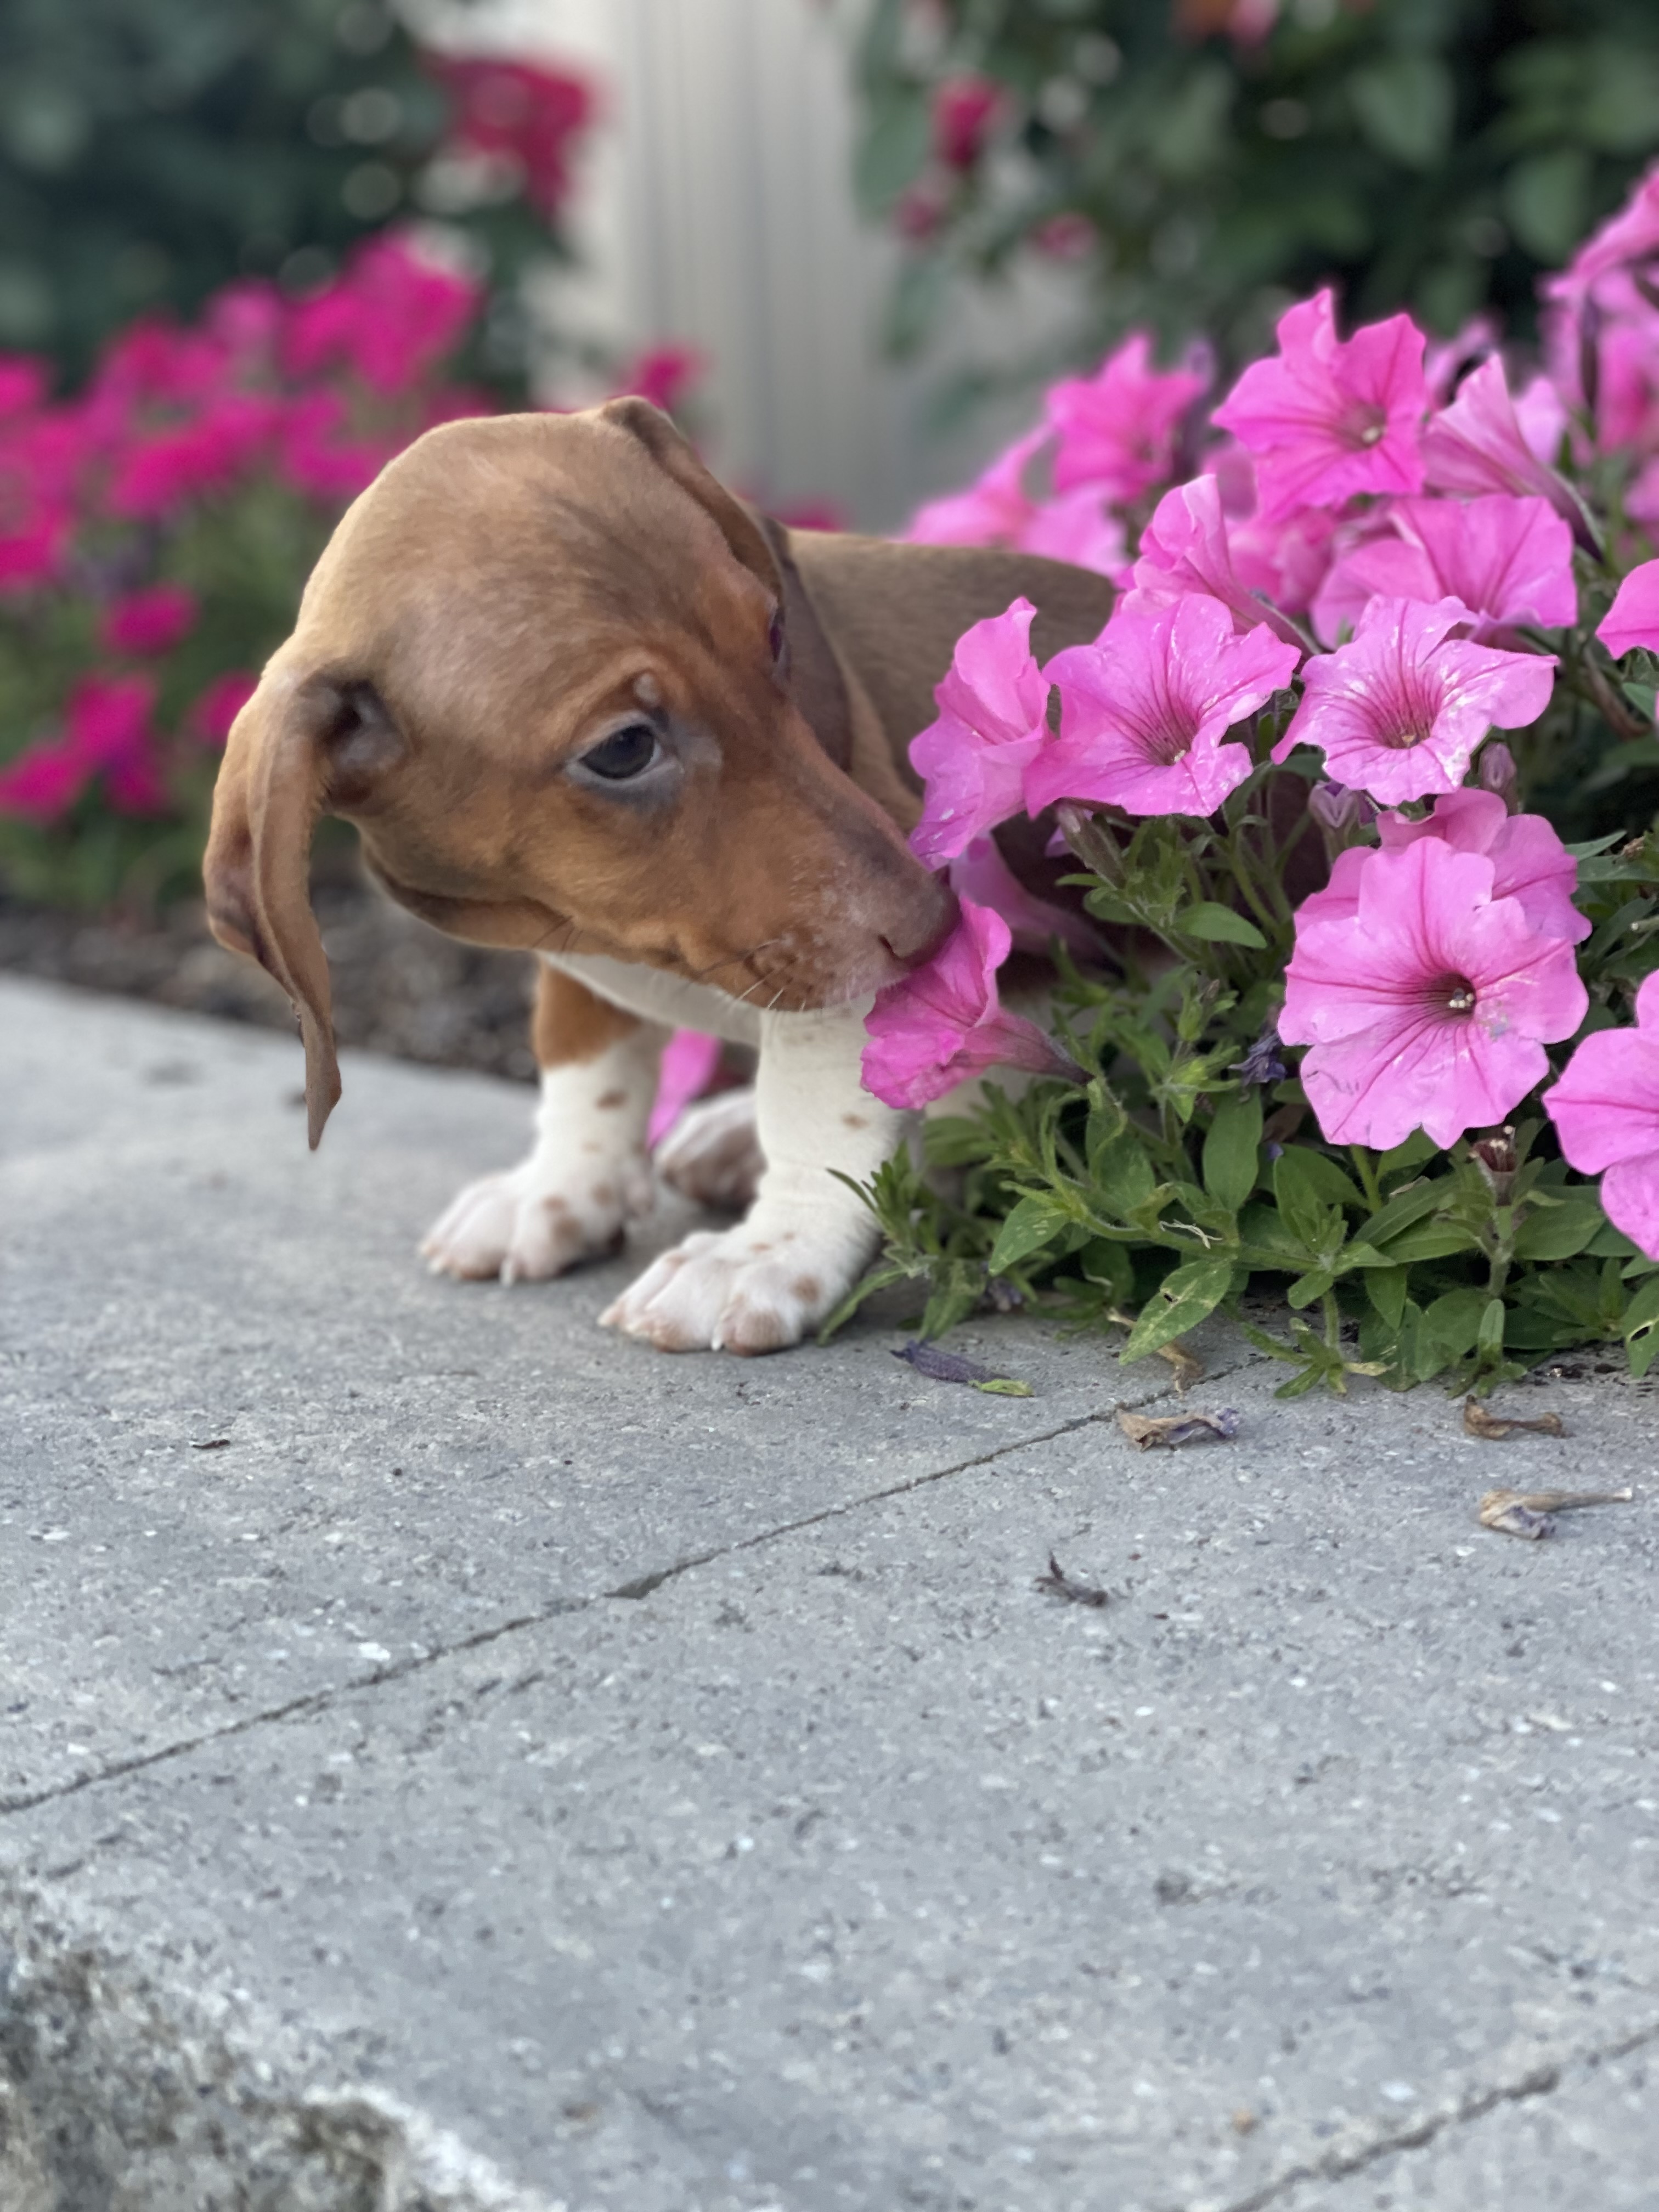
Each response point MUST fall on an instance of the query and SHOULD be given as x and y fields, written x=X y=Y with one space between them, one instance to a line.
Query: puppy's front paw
x=751 y=1290
x=536 y=1220
x=712 y=1155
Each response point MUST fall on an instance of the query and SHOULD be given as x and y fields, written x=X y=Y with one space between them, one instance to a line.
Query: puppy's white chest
x=656 y=997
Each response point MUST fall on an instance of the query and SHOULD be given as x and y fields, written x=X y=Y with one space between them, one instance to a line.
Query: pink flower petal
x=1400 y=712
x=1184 y=548
x=942 y=1023
x=688 y=1061
x=1430 y=1005
x=1143 y=709
x=1117 y=428
x=1633 y=617
x=1509 y=559
x=992 y=722
x=1476 y=444
x=1324 y=419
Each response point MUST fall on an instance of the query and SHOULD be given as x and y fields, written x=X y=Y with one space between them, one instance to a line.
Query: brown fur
x=510 y=590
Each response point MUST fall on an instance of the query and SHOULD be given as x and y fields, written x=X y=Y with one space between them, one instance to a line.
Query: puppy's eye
x=774 y=637
x=626 y=752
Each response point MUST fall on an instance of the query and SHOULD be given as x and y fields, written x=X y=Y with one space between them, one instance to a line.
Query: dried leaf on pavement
x=1058 y=1584
x=1479 y=1421
x=1147 y=1432
x=1527 y=1512
x=951 y=1367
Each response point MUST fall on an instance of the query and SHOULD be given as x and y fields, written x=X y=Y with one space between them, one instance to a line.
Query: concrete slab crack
x=641 y=1586
x=1540 y=2080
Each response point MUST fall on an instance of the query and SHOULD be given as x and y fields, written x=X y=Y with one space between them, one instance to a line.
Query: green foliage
x=151 y=150
x=1437 y=155
x=1189 y=1177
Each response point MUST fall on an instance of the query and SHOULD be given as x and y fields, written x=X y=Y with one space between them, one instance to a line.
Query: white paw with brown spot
x=537 y=1219
x=747 y=1290
x=712 y=1155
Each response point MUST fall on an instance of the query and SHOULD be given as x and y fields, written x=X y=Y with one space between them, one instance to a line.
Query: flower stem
x=1367 y=1174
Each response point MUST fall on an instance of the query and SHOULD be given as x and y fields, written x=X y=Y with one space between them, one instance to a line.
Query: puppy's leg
x=587 y=1176
x=806 y=1239
x=713 y=1154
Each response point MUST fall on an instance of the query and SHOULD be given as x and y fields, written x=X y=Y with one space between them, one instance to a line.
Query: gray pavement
x=452 y=1758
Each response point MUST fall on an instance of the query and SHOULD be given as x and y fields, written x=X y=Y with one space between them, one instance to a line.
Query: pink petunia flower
x=159 y=473
x=942 y=1023
x=1606 y=1112
x=151 y=621
x=530 y=116
x=1325 y=419
x=210 y=716
x=1079 y=527
x=992 y=722
x=1631 y=235
x=1633 y=617
x=688 y=1061
x=105 y=730
x=1400 y=711
x=24 y=382
x=1530 y=864
x=982 y=875
x=964 y=108
x=1143 y=710
x=1431 y=1005
x=1507 y=560
x=993 y=511
x=391 y=315
x=1117 y=429
x=1184 y=548
x=1476 y=444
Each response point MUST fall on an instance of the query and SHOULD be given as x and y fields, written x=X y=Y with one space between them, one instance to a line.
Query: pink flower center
x=1169 y=739
x=1362 y=425
x=1407 y=713
x=1452 y=994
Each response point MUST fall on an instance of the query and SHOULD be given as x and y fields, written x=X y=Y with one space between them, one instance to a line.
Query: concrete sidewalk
x=452 y=1758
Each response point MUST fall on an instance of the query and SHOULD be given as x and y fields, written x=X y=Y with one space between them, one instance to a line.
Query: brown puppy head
x=543 y=665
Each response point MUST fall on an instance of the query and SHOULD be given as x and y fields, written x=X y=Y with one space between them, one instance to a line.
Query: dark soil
x=398 y=987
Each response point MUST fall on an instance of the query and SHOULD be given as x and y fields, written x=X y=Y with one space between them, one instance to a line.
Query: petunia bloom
x=1476 y=444
x=1143 y=709
x=1184 y=548
x=993 y=721
x=964 y=108
x=980 y=874
x=1631 y=235
x=1606 y=1112
x=150 y=621
x=1530 y=864
x=1326 y=419
x=1400 y=711
x=1078 y=527
x=942 y=1023
x=1430 y=1005
x=1509 y=561
x=993 y=511
x=1633 y=617
x=1117 y=429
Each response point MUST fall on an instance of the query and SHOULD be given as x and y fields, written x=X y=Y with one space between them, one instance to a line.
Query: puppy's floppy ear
x=675 y=456
x=300 y=748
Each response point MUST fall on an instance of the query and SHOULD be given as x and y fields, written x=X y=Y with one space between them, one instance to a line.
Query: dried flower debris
x=1147 y=1432
x=1527 y=1512
x=1058 y=1584
x=1497 y=1428
x=951 y=1367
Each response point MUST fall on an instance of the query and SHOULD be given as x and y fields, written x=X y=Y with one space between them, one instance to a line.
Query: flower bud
x=1497 y=1160
x=1499 y=773
x=1343 y=816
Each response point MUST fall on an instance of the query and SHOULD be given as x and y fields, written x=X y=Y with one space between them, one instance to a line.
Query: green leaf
x=1546 y=199
x=1385 y=1289
x=1122 y=1176
x=1320 y=1175
x=1641 y=1327
x=1434 y=1239
x=1308 y=1287
x=1490 y=1339
x=1561 y=1232
x=1032 y=1222
x=1220 y=924
x=1452 y=1324
x=1005 y=1386
x=1405 y=105
x=1181 y=1302
x=1232 y=1148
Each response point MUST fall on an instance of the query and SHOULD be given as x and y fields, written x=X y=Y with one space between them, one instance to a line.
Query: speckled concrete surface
x=515 y=1769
